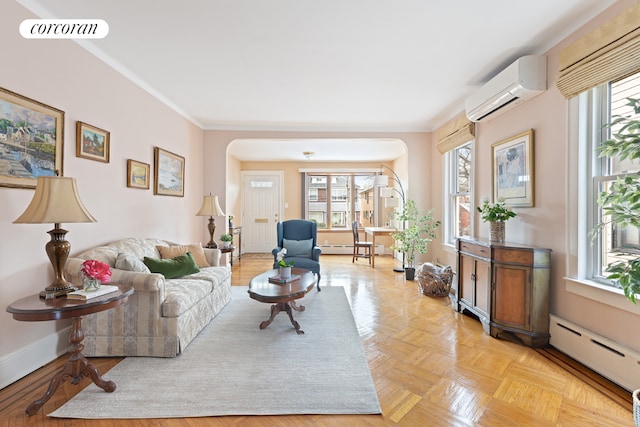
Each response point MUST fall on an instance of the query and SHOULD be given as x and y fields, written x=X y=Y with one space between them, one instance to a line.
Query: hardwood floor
x=431 y=367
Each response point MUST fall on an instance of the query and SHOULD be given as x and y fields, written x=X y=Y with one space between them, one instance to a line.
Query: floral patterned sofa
x=163 y=315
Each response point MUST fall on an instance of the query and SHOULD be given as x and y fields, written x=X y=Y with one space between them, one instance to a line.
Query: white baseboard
x=23 y=361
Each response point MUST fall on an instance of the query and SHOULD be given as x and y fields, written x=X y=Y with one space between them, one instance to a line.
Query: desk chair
x=357 y=245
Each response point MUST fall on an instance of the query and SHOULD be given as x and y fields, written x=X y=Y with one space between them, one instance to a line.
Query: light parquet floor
x=431 y=366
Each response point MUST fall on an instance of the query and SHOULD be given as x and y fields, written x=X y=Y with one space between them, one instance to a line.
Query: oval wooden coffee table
x=282 y=296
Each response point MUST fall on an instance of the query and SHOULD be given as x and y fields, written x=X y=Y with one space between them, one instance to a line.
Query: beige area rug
x=234 y=368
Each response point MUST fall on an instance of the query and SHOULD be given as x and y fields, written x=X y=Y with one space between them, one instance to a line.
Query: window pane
x=340 y=206
x=463 y=155
x=317 y=199
x=463 y=217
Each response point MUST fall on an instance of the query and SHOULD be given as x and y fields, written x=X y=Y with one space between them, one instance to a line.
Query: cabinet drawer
x=478 y=250
x=513 y=256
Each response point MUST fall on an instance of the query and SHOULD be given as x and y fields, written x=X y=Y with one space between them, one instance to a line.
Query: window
x=335 y=200
x=596 y=109
x=458 y=192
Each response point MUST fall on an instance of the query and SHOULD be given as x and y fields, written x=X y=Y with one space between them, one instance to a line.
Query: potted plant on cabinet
x=418 y=228
x=226 y=240
x=496 y=215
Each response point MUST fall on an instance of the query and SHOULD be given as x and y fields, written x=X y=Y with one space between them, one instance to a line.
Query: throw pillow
x=195 y=249
x=173 y=267
x=299 y=248
x=128 y=262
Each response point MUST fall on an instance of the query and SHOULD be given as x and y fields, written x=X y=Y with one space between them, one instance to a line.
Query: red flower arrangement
x=94 y=269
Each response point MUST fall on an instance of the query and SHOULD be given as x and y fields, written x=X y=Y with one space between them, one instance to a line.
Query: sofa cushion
x=130 y=263
x=175 y=250
x=184 y=293
x=299 y=248
x=173 y=267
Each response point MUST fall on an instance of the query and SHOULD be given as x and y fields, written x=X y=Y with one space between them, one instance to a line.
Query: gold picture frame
x=168 y=173
x=138 y=174
x=92 y=142
x=513 y=170
x=31 y=140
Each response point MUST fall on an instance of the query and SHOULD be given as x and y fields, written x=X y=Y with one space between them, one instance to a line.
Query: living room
x=63 y=74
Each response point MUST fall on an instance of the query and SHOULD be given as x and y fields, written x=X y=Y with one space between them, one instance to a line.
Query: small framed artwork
x=31 y=140
x=169 y=173
x=513 y=170
x=92 y=142
x=138 y=174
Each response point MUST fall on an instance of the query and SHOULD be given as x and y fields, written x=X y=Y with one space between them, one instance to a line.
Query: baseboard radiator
x=609 y=359
x=346 y=249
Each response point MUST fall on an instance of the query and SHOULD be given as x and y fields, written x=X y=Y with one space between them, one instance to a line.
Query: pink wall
x=545 y=225
x=66 y=76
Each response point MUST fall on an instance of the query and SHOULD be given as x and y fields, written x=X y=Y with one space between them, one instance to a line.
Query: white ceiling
x=323 y=65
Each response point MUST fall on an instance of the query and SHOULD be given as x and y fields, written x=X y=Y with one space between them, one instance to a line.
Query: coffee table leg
x=76 y=367
x=277 y=308
x=296 y=307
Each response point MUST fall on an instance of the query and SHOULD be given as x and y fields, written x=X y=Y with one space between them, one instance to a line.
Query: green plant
x=620 y=203
x=419 y=229
x=495 y=212
x=226 y=238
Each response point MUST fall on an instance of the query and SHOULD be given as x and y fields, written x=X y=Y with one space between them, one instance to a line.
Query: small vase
x=497 y=231
x=91 y=285
x=285 y=272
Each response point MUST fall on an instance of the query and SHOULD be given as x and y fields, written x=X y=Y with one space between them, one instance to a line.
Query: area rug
x=235 y=368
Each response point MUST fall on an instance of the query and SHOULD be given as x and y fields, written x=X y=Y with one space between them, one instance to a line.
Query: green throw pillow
x=173 y=267
x=299 y=248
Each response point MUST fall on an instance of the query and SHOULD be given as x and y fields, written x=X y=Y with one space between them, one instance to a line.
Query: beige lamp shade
x=210 y=207
x=56 y=200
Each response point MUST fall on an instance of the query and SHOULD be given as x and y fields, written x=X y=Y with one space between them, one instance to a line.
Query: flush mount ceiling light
x=309 y=154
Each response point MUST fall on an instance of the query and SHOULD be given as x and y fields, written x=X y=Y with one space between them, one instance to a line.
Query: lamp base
x=212 y=245
x=58 y=251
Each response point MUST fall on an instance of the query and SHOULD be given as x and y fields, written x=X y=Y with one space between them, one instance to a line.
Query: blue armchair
x=299 y=237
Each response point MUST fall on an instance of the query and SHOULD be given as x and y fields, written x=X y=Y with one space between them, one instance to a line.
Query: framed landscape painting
x=92 y=142
x=31 y=140
x=138 y=174
x=513 y=170
x=169 y=173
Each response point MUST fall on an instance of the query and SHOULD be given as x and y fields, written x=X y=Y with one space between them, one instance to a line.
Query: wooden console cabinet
x=506 y=286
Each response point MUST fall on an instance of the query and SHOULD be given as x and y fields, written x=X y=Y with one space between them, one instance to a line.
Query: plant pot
x=497 y=231
x=226 y=245
x=285 y=272
x=410 y=273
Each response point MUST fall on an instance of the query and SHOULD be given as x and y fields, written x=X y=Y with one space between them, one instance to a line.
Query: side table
x=228 y=250
x=236 y=230
x=34 y=309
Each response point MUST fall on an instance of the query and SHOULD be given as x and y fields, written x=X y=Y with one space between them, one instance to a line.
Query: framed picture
x=169 y=173
x=138 y=174
x=92 y=142
x=513 y=170
x=31 y=140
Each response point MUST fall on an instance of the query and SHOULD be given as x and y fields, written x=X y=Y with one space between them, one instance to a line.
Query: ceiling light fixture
x=309 y=154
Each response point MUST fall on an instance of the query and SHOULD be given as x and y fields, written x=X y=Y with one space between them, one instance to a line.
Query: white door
x=262 y=209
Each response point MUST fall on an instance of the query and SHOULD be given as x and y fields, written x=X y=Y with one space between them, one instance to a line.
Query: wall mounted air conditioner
x=520 y=81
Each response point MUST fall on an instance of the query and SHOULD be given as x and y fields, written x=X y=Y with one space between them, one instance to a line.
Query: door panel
x=262 y=203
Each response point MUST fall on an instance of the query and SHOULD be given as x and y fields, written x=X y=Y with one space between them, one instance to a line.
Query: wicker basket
x=435 y=281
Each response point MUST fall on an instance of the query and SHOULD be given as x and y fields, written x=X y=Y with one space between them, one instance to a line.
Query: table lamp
x=211 y=207
x=56 y=200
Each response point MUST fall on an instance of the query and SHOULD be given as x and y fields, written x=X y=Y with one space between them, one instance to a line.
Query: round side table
x=34 y=309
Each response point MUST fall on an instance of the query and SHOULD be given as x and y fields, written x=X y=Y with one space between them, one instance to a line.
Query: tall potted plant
x=496 y=215
x=418 y=228
x=620 y=205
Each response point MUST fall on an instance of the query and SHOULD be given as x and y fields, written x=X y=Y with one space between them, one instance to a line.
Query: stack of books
x=283 y=280
x=83 y=295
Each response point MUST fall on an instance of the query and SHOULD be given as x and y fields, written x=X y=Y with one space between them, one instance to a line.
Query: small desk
x=33 y=308
x=373 y=232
